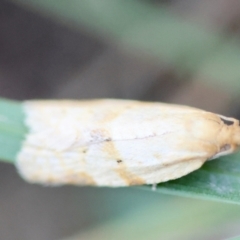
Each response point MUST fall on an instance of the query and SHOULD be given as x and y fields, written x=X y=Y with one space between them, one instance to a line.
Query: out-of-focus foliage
x=155 y=31
x=168 y=219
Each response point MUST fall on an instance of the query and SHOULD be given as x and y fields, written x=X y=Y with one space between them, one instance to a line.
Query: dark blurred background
x=89 y=49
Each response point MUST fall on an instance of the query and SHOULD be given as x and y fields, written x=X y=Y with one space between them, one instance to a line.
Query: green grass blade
x=216 y=180
x=12 y=129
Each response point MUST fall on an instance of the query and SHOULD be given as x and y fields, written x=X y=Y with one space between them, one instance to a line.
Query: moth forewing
x=119 y=142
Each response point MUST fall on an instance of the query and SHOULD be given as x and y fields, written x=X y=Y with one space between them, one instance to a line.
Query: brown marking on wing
x=128 y=177
x=121 y=169
x=99 y=135
x=109 y=147
x=81 y=178
x=110 y=115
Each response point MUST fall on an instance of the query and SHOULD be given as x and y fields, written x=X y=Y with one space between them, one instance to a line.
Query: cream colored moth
x=120 y=142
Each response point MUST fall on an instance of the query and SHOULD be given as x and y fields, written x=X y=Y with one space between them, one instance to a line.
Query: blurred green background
x=176 y=51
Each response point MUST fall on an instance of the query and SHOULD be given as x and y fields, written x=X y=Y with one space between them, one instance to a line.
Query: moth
x=119 y=142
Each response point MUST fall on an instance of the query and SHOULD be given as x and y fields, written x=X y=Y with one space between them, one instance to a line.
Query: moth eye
x=227 y=122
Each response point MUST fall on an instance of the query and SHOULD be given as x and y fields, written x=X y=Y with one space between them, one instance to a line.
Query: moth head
x=228 y=137
x=221 y=134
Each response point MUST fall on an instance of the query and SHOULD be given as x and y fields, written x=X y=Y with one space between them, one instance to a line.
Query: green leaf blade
x=216 y=180
x=12 y=129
